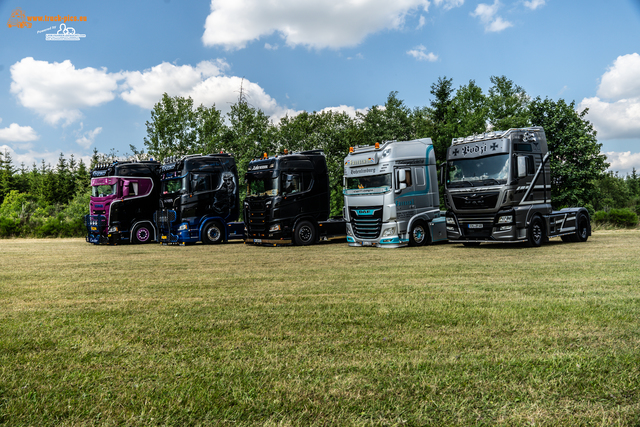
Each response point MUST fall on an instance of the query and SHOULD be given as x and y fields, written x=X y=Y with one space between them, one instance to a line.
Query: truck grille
x=474 y=232
x=163 y=219
x=95 y=223
x=366 y=222
x=475 y=200
x=256 y=219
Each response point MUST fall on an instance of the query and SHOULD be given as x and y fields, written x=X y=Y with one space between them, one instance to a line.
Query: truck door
x=405 y=196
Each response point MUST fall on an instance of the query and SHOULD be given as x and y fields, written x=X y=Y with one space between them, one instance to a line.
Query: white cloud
x=87 y=139
x=420 y=53
x=534 y=4
x=421 y=22
x=315 y=24
x=622 y=80
x=30 y=157
x=58 y=90
x=17 y=133
x=145 y=88
x=623 y=162
x=205 y=84
x=487 y=15
x=351 y=111
x=449 y=4
x=614 y=120
x=615 y=112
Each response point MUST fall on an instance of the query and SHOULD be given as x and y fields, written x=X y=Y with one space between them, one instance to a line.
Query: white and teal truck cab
x=498 y=189
x=391 y=195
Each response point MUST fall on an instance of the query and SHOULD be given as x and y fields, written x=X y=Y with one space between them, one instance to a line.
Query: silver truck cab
x=498 y=189
x=391 y=195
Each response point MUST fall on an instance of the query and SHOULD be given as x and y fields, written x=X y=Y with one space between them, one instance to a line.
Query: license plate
x=475 y=225
x=257 y=240
x=366 y=243
x=163 y=237
x=94 y=228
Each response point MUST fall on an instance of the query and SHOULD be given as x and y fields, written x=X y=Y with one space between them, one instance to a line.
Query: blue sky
x=70 y=96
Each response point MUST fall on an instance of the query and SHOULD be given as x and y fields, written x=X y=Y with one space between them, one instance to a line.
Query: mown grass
x=322 y=335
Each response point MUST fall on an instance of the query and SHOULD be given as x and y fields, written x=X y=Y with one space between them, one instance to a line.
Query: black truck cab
x=124 y=196
x=199 y=199
x=288 y=200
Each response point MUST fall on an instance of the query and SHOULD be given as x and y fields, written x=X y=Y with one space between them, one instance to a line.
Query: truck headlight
x=113 y=229
x=389 y=232
x=505 y=219
x=451 y=221
x=183 y=227
x=275 y=227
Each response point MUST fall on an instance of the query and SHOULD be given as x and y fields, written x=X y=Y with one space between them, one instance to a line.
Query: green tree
x=576 y=161
x=329 y=131
x=176 y=128
x=7 y=172
x=432 y=121
x=508 y=104
x=249 y=133
x=633 y=182
x=468 y=112
x=611 y=192
x=393 y=122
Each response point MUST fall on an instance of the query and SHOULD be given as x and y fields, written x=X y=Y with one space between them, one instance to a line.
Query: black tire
x=535 y=233
x=213 y=233
x=419 y=236
x=304 y=234
x=142 y=234
x=582 y=230
x=471 y=244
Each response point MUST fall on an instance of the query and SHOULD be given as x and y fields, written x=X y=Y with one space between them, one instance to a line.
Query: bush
x=623 y=217
x=619 y=217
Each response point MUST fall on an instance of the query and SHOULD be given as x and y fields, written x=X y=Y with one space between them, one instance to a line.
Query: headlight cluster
x=451 y=221
x=389 y=232
x=113 y=229
x=275 y=227
x=505 y=219
x=183 y=227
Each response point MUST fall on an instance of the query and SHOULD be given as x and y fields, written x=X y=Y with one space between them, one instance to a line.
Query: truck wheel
x=535 y=232
x=142 y=234
x=582 y=230
x=304 y=234
x=212 y=233
x=418 y=235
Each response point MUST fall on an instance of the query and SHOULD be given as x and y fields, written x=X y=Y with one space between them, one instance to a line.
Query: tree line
x=49 y=200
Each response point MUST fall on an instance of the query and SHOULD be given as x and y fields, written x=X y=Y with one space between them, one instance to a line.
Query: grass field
x=323 y=335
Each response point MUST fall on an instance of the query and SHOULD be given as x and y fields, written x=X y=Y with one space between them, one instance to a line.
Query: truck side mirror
x=125 y=189
x=401 y=178
x=522 y=166
x=442 y=169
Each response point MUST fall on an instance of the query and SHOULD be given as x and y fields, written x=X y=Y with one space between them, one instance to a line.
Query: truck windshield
x=476 y=172
x=103 y=190
x=261 y=185
x=371 y=181
x=171 y=186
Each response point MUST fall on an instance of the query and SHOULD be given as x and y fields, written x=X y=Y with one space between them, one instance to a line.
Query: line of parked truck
x=497 y=188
